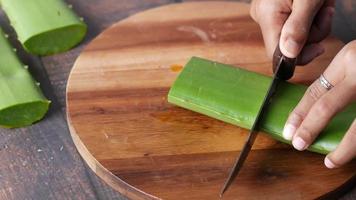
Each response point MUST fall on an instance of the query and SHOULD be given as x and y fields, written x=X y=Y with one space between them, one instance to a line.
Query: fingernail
x=328 y=163
x=289 y=131
x=299 y=144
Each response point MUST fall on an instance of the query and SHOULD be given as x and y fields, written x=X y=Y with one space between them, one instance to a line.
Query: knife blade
x=283 y=68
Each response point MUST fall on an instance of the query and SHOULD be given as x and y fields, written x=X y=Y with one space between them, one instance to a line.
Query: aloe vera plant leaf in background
x=21 y=100
x=234 y=95
x=44 y=27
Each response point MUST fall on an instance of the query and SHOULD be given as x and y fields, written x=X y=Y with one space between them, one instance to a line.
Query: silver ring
x=325 y=83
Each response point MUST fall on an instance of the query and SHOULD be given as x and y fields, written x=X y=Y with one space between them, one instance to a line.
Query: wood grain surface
x=41 y=161
x=145 y=148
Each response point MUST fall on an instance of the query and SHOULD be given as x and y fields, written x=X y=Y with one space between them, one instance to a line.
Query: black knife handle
x=286 y=65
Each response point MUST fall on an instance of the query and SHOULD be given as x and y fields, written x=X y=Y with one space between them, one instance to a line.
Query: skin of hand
x=319 y=105
x=299 y=26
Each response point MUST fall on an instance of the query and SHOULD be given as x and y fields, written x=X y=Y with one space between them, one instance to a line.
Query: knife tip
x=222 y=191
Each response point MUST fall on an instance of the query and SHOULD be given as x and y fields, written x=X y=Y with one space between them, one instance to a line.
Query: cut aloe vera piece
x=235 y=95
x=44 y=26
x=21 y=101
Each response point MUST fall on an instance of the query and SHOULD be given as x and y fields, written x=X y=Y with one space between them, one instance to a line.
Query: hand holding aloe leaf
x=300 y=27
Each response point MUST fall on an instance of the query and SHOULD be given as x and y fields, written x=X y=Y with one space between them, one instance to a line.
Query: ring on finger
x=325 y=83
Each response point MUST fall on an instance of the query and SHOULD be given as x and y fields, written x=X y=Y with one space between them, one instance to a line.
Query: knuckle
x=323 y=109
x=314 y=91
x=350 y=52
x=297 y=31
x=295 y=117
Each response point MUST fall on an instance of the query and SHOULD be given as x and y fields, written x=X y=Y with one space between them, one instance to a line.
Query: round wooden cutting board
x=146 y=148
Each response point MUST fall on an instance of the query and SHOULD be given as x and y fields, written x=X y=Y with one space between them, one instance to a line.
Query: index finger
x=270 y=17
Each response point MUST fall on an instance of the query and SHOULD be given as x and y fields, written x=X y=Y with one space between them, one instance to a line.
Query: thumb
x=296 y=29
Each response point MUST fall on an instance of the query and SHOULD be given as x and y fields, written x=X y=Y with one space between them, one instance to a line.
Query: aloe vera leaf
x=234 y=95
x=44 y=27
x=21 y=101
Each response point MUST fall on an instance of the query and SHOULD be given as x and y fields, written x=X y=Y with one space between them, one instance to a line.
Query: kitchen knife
x=283 y=68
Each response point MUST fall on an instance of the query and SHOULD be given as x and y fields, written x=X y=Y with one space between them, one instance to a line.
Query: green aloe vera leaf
x=234 y=95
x=21 y=100
x=44 y=27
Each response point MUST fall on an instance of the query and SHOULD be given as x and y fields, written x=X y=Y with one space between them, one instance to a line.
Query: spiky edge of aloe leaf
x=21 y=100
x=45 y=27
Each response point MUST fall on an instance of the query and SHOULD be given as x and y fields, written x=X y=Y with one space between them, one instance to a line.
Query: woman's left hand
x=320 y=104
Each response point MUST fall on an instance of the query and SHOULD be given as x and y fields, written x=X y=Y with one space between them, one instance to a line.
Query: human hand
x=299 y=26
x=319 y=105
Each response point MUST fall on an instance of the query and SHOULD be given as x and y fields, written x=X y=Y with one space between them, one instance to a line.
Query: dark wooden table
x=41 y=162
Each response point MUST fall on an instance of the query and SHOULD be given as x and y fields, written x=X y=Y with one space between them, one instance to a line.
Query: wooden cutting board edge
x=115 y=182
x=109 y=178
